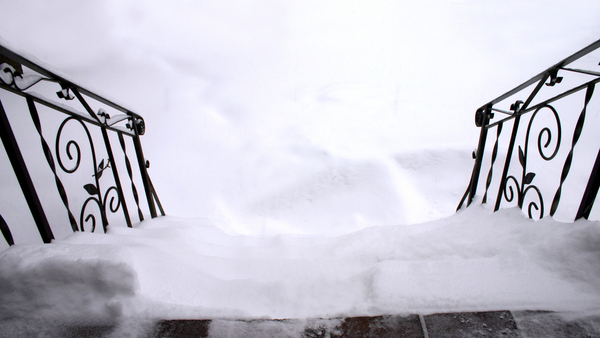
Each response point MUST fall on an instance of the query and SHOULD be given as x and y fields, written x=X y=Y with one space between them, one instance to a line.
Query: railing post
x=130 y=173
x=139 y=129
x=22 y=174
x=482 y=119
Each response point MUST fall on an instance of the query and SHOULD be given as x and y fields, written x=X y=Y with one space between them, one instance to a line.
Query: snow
x=84 y=280
x=310 y=156
x=190 y=268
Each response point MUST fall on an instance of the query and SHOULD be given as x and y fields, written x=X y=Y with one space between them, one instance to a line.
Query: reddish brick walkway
x=466 y=324
x=505 y=324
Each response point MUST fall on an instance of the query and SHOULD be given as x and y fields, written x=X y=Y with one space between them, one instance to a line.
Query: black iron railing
x=552 y=104
x=89 y=184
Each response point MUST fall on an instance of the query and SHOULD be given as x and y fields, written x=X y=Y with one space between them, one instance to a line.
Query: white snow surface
x=174 y=267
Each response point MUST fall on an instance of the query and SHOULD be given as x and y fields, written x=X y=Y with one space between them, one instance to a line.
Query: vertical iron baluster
x=6 y=231
x=511 y=146
x=482 y=119
x=22 y=174
x=130 y=173
x=116 y=176
x=576 y=134
x=493 y=160
x=464 y=197
x=591 y=191
x=59 y=186
x=162 y=211
x=139 y=130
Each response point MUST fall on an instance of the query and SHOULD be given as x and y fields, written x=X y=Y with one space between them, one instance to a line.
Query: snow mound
x=63 y=281
x=190 y=268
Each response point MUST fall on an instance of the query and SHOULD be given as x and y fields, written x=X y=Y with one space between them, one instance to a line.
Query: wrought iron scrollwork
x=73 y=144
x=138 y=124
x=113 y=205
x=515 y=187
x=544 y=141
x=109 y=121
x=105 y=120
x=65 y=93
x=101 y=196
x=554 y=78
x=73 y=152
x=13 y=78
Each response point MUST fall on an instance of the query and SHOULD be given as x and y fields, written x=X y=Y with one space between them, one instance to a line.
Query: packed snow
x=310 y=157
x=191 y=268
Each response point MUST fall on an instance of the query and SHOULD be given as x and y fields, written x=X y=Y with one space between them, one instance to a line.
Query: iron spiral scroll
x=544 y=141
x=73 y=152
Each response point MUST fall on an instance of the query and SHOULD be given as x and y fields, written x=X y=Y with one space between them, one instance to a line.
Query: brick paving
x=505 y=324
x=527 y=324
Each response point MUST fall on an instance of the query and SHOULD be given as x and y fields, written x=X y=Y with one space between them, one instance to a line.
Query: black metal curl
x=11 y=77
x=70 y=156
x=137 y=124
x=546 y=134
x=113 y=205
x=112 y=208
x=533 y=204
x=512 y=193
x=545 y=131
x=69 y=146
x=543 y=142
x=92 y=189
x=90 y=215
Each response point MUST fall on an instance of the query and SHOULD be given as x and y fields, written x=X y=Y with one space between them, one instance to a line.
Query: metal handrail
x=15 y=80
x=484 y=119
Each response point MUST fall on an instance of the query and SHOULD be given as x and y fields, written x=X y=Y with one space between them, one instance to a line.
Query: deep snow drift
x=190 y=268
